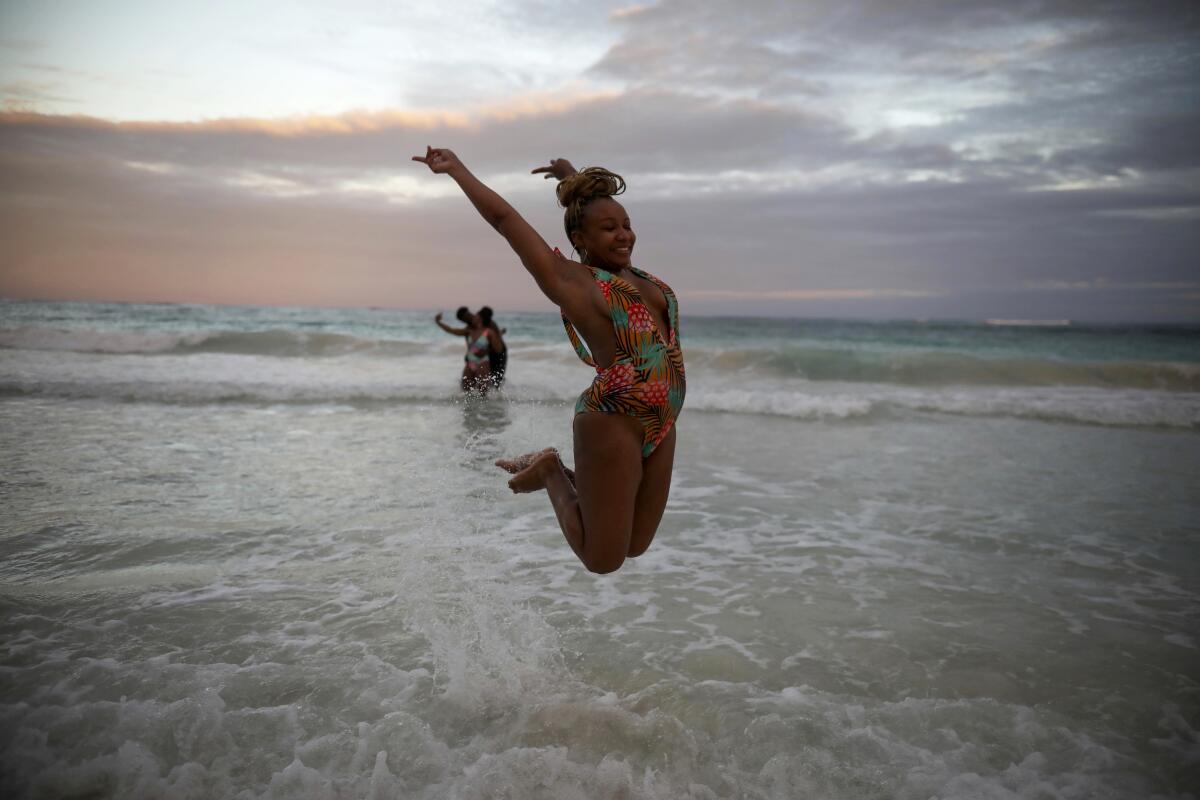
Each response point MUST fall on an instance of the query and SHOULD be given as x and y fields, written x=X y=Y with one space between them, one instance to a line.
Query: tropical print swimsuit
x=646 y=379
x=477 y=349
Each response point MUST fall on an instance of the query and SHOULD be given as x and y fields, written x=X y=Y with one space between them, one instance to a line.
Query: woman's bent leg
x=608 y=471
x=596 y=510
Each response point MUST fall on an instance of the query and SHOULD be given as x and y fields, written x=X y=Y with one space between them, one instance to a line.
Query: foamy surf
x=204 y=377
x=277 y=343
x=1159 y=359
x=236 y=568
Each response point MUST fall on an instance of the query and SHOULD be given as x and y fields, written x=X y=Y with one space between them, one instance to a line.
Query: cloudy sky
x=891 y=158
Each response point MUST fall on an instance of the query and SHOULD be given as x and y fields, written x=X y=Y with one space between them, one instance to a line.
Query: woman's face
x=606 y=235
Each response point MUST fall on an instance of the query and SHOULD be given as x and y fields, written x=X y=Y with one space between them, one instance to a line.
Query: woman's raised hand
x=439 y=160
x=559 y=168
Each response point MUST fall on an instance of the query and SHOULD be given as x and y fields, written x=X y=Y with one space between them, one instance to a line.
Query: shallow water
x=262 y=575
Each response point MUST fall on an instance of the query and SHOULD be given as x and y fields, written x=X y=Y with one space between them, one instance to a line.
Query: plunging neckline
x=626 y=287
x=665 y=341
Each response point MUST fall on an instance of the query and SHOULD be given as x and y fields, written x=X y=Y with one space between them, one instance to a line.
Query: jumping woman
x=624 y=426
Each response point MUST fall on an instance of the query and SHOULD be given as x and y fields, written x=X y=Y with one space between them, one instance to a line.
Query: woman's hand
x=437 y=317
x=439 y=160
x=559 y=169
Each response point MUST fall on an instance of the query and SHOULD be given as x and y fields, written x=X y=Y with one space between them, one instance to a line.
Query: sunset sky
x=892 y=158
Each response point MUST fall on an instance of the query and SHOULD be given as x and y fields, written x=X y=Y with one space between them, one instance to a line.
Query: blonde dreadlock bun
x=574 y=193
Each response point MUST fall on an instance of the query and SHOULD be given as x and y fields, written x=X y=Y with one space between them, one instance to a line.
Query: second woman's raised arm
x=560 y=285
x=456 y=331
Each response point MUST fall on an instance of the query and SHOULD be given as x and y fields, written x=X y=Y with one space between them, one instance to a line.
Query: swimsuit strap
x=580 y=348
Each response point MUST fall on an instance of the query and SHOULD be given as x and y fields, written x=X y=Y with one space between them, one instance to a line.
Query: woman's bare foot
x=519 y=463
x=533 y=478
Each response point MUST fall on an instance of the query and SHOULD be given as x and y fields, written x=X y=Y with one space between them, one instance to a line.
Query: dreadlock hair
x=577 y=191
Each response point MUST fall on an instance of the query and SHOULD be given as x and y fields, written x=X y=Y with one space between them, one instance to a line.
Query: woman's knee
x=603 y=565
x=636 y=550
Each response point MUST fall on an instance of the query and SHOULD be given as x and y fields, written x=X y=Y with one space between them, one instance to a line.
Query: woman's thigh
x=652 y=494
x=608 y=472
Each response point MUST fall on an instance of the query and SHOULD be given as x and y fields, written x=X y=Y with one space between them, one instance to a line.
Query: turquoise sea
x=263 y=553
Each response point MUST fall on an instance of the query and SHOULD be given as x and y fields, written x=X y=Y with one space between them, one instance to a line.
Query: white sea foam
x=1099 y=407
x=781 y=403
x=976 y=361
x=430 y=377
x=277 y=343
x=858 y=590
x=96 y=341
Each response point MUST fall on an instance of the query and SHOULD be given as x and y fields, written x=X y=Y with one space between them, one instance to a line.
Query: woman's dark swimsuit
x=646 y=378
x=499 y=362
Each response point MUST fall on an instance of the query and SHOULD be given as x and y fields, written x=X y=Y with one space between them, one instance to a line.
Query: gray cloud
x=19 y=45
x=976 y=248
x=87 y=228
x=1046 y=74
x=1057 y=162
x=646 y=130
x=27 y=94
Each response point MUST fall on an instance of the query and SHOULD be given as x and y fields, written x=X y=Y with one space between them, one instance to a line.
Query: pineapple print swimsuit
x=646 y=379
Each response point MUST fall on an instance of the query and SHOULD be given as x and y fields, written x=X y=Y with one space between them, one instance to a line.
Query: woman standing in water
x=476 y=374
x=624 y=426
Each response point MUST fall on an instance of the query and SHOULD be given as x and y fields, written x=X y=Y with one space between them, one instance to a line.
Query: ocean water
x=263 y=553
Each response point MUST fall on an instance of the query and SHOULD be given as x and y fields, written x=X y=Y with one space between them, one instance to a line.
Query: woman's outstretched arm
x=564 y=287
x=456 y=331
